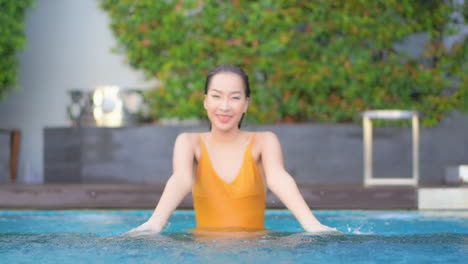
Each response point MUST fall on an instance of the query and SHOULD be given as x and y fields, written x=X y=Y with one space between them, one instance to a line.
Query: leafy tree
x=308 y=60
x=12 y=39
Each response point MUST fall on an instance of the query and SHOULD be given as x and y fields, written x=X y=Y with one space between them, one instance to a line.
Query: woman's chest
x=228 y=164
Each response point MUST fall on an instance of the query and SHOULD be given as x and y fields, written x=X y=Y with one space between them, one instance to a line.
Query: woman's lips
x=224 y=118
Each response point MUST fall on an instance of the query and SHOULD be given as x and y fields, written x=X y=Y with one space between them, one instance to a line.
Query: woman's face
x=225 y=101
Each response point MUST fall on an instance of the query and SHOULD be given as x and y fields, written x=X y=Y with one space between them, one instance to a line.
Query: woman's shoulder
x=265 y=137
x=189 y=137
x=188 y=142
x=264 y=142
x=265 y=134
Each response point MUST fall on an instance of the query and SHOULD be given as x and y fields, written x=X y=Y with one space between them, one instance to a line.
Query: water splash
x=358 y=231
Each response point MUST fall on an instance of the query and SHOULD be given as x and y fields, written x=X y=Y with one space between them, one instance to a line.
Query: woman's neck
x=224 y=137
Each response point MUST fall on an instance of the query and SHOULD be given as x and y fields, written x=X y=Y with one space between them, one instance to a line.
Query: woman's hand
x=319 y=228
x=147 y=228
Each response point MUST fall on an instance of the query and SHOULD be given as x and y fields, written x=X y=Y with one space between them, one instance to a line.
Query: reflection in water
x=227 y=234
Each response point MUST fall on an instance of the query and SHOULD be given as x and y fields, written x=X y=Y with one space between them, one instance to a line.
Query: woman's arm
x=280 y=182
x=177 y=187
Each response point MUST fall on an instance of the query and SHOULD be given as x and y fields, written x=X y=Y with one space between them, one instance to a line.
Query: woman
x=228 y=169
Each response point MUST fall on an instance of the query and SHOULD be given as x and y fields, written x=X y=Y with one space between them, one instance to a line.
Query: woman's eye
x=236 y=98
x=215 y=96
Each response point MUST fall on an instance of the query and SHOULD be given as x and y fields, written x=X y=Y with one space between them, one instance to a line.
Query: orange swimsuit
x=239 y=204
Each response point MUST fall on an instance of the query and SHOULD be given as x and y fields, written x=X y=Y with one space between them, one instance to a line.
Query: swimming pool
x=82 y=236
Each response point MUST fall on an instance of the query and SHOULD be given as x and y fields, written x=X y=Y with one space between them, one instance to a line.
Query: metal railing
x=368 y=116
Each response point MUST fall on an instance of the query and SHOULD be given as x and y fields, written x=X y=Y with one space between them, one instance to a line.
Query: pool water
x=81 y=236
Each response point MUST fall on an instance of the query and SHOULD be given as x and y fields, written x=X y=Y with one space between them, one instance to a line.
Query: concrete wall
x=68 y=47
x=322 y=154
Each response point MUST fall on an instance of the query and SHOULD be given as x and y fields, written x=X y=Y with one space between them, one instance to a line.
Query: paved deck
x=139 y=196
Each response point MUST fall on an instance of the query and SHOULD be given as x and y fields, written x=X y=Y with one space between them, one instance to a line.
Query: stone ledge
x=65 y=196
x=443 y=198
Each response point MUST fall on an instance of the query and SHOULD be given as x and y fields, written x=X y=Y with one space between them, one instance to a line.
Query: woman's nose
x=224 y=104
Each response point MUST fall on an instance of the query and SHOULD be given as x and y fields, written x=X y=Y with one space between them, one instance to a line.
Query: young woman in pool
x=228 y=169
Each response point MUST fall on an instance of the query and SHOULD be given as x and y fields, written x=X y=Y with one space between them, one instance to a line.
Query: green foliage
x=11 y=41
x=308 y=60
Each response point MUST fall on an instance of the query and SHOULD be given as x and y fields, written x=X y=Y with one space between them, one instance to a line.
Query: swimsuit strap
x=251 y=140
x=201 y=139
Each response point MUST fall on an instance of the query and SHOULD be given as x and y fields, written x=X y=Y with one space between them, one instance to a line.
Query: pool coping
x=145 y=196
x=63 y=196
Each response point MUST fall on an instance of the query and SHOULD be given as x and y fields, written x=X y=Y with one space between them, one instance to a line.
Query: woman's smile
x=223 y=118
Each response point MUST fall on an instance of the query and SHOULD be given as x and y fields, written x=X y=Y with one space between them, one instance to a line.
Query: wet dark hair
x=229 y=69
